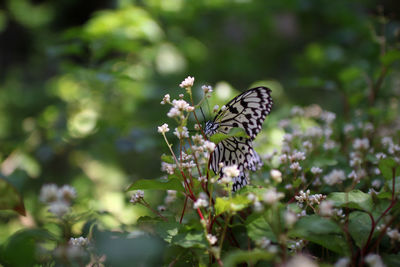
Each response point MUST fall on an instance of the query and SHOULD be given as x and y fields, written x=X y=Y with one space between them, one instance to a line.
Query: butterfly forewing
x=247 y=111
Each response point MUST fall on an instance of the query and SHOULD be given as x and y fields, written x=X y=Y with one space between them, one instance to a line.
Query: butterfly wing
x=247 y=111
x=233 y=151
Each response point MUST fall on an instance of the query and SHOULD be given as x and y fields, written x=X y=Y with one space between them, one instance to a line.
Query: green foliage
x=80 y=87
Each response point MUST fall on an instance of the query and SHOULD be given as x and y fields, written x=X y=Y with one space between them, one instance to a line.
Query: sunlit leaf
x=390 y=57
x=355 y=199
x=157 y=184
x=234 y=132
x=257 y=227
x=236 y=203
x=239 y=256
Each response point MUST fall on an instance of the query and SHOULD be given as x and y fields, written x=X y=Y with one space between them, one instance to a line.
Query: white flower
x=200 y=202
x=67 y=193
x=316 y=170
x=272 y=196
x=290 y=218
x=167 y=167
x=197 y=127
x=212 y=239
x=59 y=208
x=137 y=196
x=206 y=89
x=188 y=82
x=181 y=104
x=166 y=99
x=328 y=116
x=361 y=144
x=231 y=171
x=348 y=128
x=329 y=144
x=258 y=207
x=342 y=262
x=215 y=108
x=297 y=111
x=393 y=234
x=374 y=260
x=49 y=193
x=300 y=261
x=181 y=133
x=171 y=196
x=163 y=128
x=335 y=177
x=295 y=166
x=283 y=158
x=276 y=175
x=387 y=141
x=380 y=155
x=174 y=112
x=376 y=183
x=79 y=241
x=307 y=145
x=209 y=146
x=314 y=132
x=326 y=208
x=264 y=242
x=161 y=208
x=297 y=156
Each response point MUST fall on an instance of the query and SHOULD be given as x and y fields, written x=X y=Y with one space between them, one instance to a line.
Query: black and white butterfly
x=247 y=111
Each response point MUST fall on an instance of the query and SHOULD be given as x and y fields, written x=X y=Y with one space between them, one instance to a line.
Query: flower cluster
x=59 y=199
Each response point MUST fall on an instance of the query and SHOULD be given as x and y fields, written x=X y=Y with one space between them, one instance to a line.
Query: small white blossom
x=290 y=218
x=272 y=196
x=163 y=128
x=67 y=193
x=181 y=96
x=161 y=208
x=297 y=111
x=258 y=207
x=368 y=127
x=300 y=261
x=348 y=128
x=361 y=144
x=314 y=132
x=59 y=208
x=171 y=197
x=212 y=239
x=252 y=197
x=264 y=242
x=182 y=132
x=188 y=82
x=316 y=170
x=166 y=99
x=284 y=123
x=342 y=262
x=393 y=234
x=168 y=168
x=283 y=158
x=380 y=155
x=276 y=175
x=215 y=108
x=387 y=141
x=374 y=260
x=295 y=166
x=328 y=116
x=297 y=156
x=79 y=241
x=376 y=183
x=197 y=127
x=334 y=177
x=49 y=193
x=206 y=89
x=137 y=196
x=209 y=146
x=200 y=202
x=329 y=144
x=307 y=145
x=231 y=171
x=326 y=208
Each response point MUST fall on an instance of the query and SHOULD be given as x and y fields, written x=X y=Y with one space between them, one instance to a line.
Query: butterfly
x=247 y=111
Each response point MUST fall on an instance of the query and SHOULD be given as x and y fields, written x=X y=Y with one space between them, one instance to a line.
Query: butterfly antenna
x=204 y=117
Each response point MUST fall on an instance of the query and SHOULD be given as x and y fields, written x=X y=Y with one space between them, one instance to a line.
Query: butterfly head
x=210 y=128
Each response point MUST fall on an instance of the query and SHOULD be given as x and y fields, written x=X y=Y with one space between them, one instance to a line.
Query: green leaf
x=359 y=227
x=258 y=227
x=157 y=184
x=20 y=249
x=390 y=57
x=239 y=256
x=355 y=199
x=234 y=204
x=167 y=230
x=396 y=186
x=189 y=239
x=391 y=259
x=321 y=231
x=168 y=159
x=10 y=199
x=234 y=132
x=388 y=168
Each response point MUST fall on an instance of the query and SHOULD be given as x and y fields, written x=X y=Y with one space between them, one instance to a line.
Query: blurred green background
x=81 y=81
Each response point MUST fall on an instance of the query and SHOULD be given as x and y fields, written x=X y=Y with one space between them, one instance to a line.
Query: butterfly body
x=247 y=111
